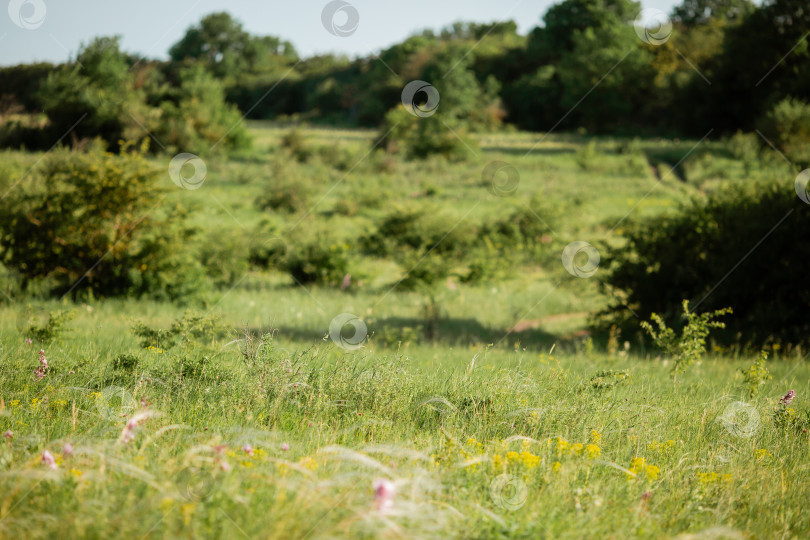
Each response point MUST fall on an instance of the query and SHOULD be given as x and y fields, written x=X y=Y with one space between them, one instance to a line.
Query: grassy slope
x=401 y=411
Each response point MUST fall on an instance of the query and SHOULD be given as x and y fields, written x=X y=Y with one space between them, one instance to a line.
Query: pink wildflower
x=28 y=341
x=247 y=449
x=8 y=435
x=787 y=398
x=285 y=447
x=49 y=460
x=224 y=465
x=42 y=370
x=67 y=450
x=347 y=281
x=383 y=495
x=128 y=433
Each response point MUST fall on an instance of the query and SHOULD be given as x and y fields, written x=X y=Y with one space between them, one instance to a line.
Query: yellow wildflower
x=593 y=451
x=562 y=445
x=596 y=437
x=639 y=466
x=651 y=472
x=188 y=511
x=707 y=477
x=497 y=462
x=512 y=457
x=14 y=403
x=762 y=454
x=75 y=472
x=577 y=448
x=529 y=460
x=556 y=466
x=308 y=463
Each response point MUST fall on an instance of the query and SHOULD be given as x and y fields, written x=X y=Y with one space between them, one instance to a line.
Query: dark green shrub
x=225 y=254
x=419 y=138
x=196 y=117
x=191 y=328
x=787 y=125
x=287 y=189
x=317 y=255
x=294 y=142
x=90 y=222
x=41 y=330
x=741 y=248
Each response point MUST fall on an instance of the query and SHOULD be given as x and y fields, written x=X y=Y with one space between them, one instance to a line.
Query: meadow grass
x=261 y=426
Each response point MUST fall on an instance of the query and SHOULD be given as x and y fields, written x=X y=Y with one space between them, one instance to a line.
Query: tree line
x=725 y=65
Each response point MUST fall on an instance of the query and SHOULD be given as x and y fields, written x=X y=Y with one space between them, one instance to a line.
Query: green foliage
x=756 y=374
x=294 y=142
x=696 y=12
x=610 y=378
x=287 y=189
x=196 y=118
x=419 y=138
x=45 y=331
x=92 y=96
x=224 y=255
x=220 y=44
x=317 y=255
x=192 y=328
x=426 y=244
x=745 y=148
x=88 y=222
x=787 y=125
x=464 y=105
x=690 y=346
x=705 y=252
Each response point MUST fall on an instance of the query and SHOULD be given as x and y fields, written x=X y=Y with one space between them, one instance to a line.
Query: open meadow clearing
x=247 y=418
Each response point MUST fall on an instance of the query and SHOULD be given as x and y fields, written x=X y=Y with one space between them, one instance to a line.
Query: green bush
x=288 y=188
x=225 y=255
x=787 y=125
x=688 y=347
x=293 y=141
x=90 y=222
x=196 y=117
x=738 y=248
x=419 y=138
x=317 y=255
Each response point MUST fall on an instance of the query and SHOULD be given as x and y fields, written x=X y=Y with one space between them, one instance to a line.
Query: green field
x=457 y=384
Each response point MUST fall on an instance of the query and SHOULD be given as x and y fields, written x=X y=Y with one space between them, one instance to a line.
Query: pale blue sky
x=150 y=27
